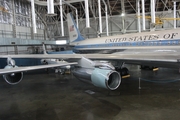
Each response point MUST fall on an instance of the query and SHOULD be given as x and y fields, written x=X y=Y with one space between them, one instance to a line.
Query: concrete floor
x=42 y=96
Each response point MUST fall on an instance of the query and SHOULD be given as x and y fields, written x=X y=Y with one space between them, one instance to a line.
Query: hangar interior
x=104 y=18
x=44 y=95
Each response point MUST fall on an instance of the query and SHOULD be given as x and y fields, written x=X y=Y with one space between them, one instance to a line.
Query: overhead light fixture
x=61 y=42
x=122 y=14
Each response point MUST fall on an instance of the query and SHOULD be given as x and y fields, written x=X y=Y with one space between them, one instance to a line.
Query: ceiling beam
x=44 y=3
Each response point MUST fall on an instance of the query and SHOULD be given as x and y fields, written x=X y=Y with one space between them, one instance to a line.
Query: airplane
x=158 y=48
x=156 y=42
x=61 y=69
x=137 y=43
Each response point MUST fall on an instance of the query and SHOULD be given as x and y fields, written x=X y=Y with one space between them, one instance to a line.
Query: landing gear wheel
x=144 y=67
x=123 y=71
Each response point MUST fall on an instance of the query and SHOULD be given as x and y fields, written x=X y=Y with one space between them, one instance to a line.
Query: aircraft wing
x=166 y=57
x=161 y=60
x=21 y=69
x=100 y=75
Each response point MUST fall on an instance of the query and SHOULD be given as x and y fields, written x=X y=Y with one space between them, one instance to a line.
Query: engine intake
x=13 y=78
x=104 y=78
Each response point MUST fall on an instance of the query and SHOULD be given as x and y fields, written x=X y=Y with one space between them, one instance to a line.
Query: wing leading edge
x=21 y=69
x=163 y=57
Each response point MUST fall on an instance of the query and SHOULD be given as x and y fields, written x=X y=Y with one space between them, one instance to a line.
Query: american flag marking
x=71 y=28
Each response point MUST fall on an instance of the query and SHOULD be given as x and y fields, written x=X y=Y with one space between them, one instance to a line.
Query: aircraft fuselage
x=157 y=41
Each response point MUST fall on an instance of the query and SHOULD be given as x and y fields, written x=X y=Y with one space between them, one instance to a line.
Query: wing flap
x=162 y=59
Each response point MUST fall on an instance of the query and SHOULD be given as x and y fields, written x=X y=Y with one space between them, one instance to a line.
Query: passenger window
x=159 y=43
x=169 y=43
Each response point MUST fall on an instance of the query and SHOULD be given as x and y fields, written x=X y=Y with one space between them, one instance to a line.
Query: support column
x=61 y=14
x=153 y=24
x=44 y=34
x=14 y=20
x=123 y=16
x=138 y=15
x=107 y=23
x=16 y=49
x=143 y=15
x=100 y=19
x=174 y=14
x=32 y=33
x=87 y=13
x=33 y=17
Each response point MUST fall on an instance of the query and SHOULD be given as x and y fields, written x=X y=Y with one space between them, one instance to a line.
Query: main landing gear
x=145 y=67
x=124 y=72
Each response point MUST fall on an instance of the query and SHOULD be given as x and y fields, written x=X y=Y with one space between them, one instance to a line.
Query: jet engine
x=104 y=78
x=13 y=78
x=99 y=73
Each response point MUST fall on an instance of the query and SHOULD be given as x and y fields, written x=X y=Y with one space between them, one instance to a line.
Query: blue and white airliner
x=137 y=43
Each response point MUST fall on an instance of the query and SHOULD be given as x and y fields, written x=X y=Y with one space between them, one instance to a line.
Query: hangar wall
x=15 y=22
x=131 y=25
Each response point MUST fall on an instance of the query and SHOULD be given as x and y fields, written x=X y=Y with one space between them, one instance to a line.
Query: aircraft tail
x=74 y=34
x=44 y=49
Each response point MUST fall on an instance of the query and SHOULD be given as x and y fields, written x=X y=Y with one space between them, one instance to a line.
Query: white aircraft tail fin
x=44 y=49
x=74 y=34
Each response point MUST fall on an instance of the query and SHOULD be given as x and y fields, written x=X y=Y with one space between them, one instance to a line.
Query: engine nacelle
x=13 y=78
x=104 y=78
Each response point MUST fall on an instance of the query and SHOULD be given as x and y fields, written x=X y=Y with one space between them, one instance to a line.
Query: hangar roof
x=115 y=7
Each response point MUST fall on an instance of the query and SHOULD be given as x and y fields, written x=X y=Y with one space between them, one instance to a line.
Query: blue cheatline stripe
x=133 y=44
x=62 y=52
